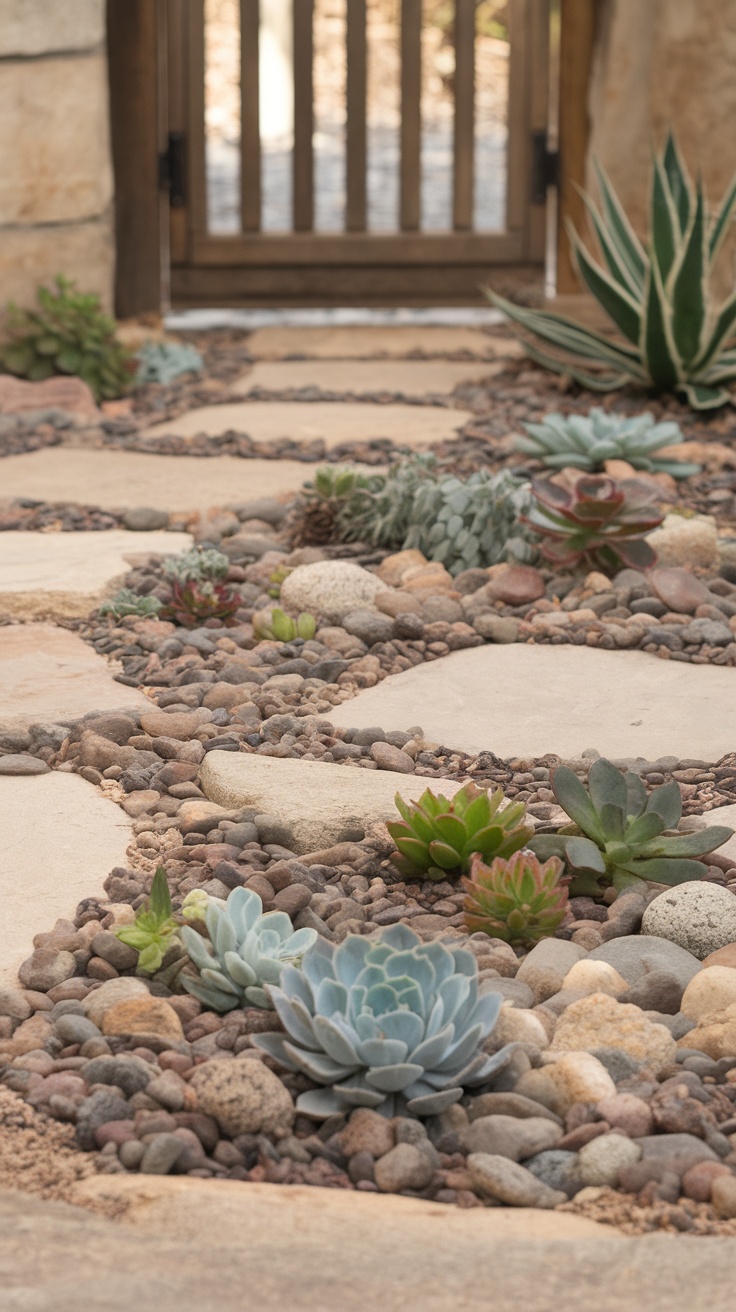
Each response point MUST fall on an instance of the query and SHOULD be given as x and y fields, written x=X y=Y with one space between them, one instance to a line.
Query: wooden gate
x=418 y=262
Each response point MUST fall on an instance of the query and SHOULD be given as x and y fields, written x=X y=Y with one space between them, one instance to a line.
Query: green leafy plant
x=247 y=950
x=594 y=522
x=436 y=837
x=587 y=441
x=155 y=928
x=619 y=837
x=162 y=362
x=276 y=578
x=197 y=590
x=280 y=627
x=674 y=338
x=127 y=602
x=67 y=334
x=197 y=564
x=391 y=1023
x=323 y=504
x=381 y=510
x=517 y=899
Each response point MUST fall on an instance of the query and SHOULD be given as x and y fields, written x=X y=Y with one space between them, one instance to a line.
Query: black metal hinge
x=545 y=167
x=171 y=170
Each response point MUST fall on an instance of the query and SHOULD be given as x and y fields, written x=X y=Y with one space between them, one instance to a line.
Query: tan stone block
x=54 y=140
x=144 y=1015
x=39 y=27
x=369 y=342
x=84 y=252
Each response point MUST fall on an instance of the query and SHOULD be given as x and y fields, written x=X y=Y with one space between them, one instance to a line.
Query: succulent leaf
x=247 y=949
x=415 y=1013
x=519 y=900
x=438 y=836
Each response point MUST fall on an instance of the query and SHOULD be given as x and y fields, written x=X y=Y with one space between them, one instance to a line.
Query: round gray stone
x=634 y=956
x=558 y=1169
x=510 y=1183
x=699 y=917
x=22 y=763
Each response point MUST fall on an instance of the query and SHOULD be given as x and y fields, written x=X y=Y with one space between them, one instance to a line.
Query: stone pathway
x=518 y=700
x=68 y=574
x=334 y=422
x=49 y=674
x=372 y=343
x=61 y=838
x=414 y=378
x=120 y=479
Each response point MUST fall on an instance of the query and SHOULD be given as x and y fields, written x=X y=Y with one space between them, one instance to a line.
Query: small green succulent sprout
x=587 y=441
x=162 y=362
x=519 y=899
x=276 y=578
x=280 y=627
x=195 y=904
x=437 y=837
x=618 y=838
x=390 y=1023
x=155 y=928
x=247 y=951
x=196 y=565
x=127 y=602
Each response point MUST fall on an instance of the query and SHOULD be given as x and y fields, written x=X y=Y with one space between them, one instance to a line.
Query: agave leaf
x=627 y=243
x=688 y=294
x=666 y=802
x=612 y=253
x=720 y=333
x=678 y=183
x=720 y=226
x=607 y=382
x=568 y=335
x=665 y=226
x=583 y=854
x=573 y=799
x=705 y=398
x=657 y=347
x=618 y=304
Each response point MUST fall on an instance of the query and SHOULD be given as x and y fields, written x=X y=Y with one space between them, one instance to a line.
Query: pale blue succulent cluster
x=247 y=949
x=390 y=1023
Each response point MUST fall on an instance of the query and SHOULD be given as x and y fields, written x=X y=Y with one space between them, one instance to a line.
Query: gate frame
x=151 y=252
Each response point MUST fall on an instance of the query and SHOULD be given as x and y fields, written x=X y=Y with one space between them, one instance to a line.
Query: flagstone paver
x=525 y=700
x=322 y=803
x=61 y=838
x=119 y=479
x=416 y=378
x=66 y=574
x=50 y=674
x=334 y=422
x=371 y=342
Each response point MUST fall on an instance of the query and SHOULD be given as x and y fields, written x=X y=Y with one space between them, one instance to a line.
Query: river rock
x=600 y=1021
x=699 y=917
x=244 y=1097
x=709 y=992
x=545 y=967
x=509 y=1183
x=330 y=589
x=635 y=956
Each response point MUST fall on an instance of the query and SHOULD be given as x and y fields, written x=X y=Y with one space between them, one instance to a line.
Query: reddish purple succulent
x=594 y=521
x=193 y=602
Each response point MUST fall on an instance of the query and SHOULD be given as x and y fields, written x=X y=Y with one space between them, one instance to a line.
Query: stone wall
x=662 y=64
x=57 y=185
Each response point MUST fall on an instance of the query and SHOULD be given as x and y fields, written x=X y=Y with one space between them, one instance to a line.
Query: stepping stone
x=520 y=700
x=372 y=343
x=367 y=377
x=117 y=480
x=62 y=575
x=724 y=815
x=49 y=674
x=183 y=1239
x=61 y=839
x=322 y=803
x=334 y=422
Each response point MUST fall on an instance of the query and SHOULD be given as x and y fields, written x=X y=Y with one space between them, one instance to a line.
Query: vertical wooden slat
x=464 y=146
x=250 y=130
x=132 y=27
x=195 y=141
x=577 y=40
x=303 y=115
x=518 y=182
x=356 y=139
x=177 y=105
x=411 y=114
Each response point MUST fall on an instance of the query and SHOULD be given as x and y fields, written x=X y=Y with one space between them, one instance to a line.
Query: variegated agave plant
x=674 y=337
x=247 y=950
x=390 y=1023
